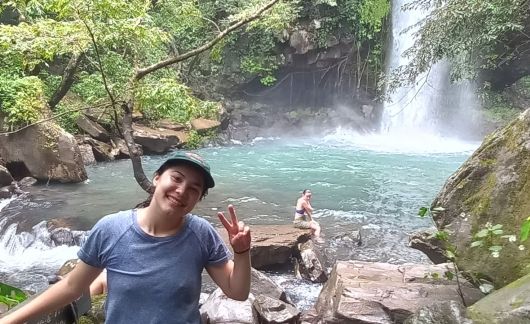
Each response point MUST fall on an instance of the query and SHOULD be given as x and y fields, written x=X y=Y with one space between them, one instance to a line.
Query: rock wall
x=493 y=186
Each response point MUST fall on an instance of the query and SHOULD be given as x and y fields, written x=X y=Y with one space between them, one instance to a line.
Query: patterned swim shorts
x=302 y=224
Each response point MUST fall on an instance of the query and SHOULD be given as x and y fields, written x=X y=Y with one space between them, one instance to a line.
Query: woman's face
x=178 y=189
x=307 y=194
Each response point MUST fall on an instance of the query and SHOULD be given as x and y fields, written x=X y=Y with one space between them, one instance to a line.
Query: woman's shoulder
x=198 y=222
x=121 y=217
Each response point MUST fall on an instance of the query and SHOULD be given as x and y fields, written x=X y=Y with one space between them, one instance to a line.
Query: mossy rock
x=492 y=186
x=507 y=305
x=96 y=315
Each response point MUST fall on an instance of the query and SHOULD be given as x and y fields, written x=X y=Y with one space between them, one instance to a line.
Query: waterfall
x=432 y=105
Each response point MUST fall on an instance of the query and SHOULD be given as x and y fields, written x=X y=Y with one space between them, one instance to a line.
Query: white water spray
x=432 y=105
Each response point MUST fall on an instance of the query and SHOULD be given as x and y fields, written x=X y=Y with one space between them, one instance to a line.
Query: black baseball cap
x=193 y=159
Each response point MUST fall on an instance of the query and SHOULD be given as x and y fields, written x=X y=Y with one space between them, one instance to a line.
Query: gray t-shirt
x=152 y=279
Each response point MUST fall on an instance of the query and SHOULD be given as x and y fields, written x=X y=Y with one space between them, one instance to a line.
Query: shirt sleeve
x=217 y=251
x=91 y=251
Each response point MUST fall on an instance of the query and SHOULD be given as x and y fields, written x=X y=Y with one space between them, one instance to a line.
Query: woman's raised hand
x=238 y=233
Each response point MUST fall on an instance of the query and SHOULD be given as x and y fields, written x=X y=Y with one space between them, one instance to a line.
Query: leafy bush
x=66 y=117
x=167 y=98
x=195 y=140
x=21 y=100
x=497 y=107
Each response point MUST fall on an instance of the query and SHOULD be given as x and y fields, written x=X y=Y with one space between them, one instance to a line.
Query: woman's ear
x=155 y=179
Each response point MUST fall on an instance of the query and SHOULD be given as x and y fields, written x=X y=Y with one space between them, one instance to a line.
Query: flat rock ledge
x=272 y=245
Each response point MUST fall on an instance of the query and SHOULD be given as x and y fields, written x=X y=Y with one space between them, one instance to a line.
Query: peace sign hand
x=238 y=233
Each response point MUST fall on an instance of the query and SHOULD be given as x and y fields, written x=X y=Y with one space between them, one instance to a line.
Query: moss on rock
x=493 y=186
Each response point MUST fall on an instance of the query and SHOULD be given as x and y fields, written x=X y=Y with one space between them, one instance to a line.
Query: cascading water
x=432 y=105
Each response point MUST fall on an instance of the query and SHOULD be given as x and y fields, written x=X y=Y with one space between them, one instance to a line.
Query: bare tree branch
x=50 y=118
x=67 y=80
x=103 y=76
x=143 y=72
x=128 y=106
x=134 y=153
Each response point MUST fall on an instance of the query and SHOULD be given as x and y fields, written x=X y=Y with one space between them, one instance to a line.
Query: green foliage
x=11 y=296
x=66 y=117
x=90 y=87
x=167 y=98
x=497 y=106
x=128 y=34
x=472 y=34
x=490 y=238
x=194 y=141
x=21 y=100
x=263 y=68
x=525 y=230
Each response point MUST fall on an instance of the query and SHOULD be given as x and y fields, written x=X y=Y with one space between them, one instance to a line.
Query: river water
x=371 y=183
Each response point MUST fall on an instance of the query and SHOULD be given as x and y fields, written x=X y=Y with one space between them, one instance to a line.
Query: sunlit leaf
x=423 y=211
x=525 y=230
x=477 y=243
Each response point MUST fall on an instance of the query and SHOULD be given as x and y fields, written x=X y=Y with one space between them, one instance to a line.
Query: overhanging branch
x=172 y=60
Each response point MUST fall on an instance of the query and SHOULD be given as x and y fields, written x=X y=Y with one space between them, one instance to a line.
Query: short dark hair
x=305 y=190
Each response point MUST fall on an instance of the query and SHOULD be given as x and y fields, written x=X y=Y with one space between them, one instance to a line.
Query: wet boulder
x=510 y=304
x=45 y=152
x=92 y=128
x=447 y=312
x=268 y=310
x=202 y=125
x=218 y=309
x=62 y=236
x=272 y=245
x=5 y=177
x=492 y=186
x=311 y=263
x=102 y=151
x=159 y=140
x=369 y=292
x=262 y=284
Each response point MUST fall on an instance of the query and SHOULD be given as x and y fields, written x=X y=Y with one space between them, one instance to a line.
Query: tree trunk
x=67 y=81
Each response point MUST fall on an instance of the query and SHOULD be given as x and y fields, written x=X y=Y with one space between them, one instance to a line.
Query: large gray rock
x=158 y=141
x=102 y=151
x=220 y=309
x=202 y=125
x=92 y=128
x=268 y=310
x=366 y=292
x=311 y=263
x=47 y=152
x=5 y=177
x=301 y=41
x=272 y=245
x=261 y=284
x=493 y=185
x=448 y=312
x=87 y=154
x=511 y=304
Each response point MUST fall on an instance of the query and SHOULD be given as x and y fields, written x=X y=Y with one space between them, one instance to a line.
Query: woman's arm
x=233 y=277
x=308 y=210
x=62 y=293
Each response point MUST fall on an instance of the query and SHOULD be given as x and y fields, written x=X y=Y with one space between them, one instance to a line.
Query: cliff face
x=492 y=186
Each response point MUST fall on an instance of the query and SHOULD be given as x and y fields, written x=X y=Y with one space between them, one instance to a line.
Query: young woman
x=303 y=214
x=154 y=256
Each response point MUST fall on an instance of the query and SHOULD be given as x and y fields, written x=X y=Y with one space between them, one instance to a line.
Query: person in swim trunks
x=303 y=214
